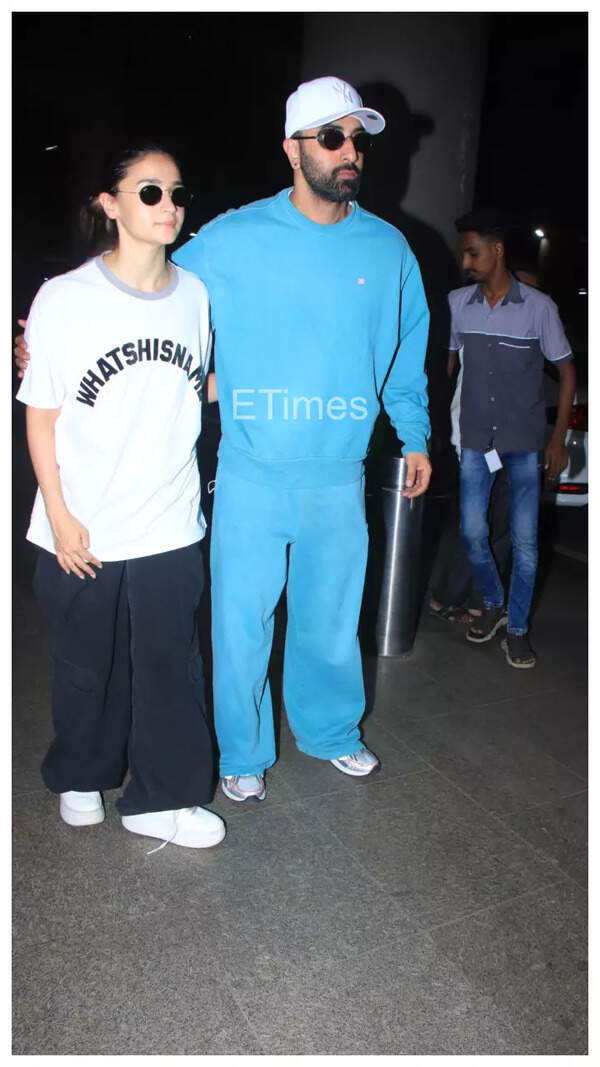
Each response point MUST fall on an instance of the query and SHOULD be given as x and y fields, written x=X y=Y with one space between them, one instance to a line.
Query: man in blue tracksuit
x=319 y=314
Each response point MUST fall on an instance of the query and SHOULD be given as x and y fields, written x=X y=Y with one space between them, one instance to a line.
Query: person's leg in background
x=451 y=584
x=500 y=544
x=475 y=485
x=524 y=476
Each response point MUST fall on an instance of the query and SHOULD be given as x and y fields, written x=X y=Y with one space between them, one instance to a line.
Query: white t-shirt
x=126 y=368
x=455 y=406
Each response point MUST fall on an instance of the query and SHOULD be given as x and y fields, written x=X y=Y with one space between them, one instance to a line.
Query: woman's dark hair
x=98 y=231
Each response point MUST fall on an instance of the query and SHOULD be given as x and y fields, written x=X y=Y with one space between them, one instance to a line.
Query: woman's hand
x=72 y=544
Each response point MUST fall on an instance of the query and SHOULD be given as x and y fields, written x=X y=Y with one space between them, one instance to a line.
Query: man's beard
x=327 y=186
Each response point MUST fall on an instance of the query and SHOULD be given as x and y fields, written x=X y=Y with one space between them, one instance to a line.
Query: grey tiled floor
x=439 y=907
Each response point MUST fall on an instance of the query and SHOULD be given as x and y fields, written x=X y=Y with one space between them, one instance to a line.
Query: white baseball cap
x=323 y=100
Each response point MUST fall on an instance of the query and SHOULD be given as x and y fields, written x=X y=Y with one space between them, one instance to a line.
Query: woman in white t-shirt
x=120 y=349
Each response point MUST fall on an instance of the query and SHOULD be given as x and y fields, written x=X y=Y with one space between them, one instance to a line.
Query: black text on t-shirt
x=140 y=351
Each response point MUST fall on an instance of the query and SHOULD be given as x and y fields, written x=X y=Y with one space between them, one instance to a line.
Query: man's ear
x=291 y=147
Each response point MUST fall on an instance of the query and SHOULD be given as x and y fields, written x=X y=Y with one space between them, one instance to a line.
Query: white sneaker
x=190 y=827
x=242 y=787
x=81 y=809
x=358 y=764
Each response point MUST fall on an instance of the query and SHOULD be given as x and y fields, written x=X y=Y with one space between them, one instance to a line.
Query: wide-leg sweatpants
x=324 y=531
x=128 y=682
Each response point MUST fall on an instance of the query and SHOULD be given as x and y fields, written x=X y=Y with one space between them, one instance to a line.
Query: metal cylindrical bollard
x=398 y=602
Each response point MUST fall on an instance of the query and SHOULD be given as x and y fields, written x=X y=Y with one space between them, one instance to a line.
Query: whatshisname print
x=130 y=353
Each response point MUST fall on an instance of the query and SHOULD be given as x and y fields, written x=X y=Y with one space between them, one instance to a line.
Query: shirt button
x=492 y=398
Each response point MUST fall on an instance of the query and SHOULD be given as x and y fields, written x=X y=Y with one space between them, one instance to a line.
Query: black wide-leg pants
x=128 y=682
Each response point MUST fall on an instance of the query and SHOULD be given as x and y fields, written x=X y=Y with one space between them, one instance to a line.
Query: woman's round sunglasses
x=153 y=194
x=333 y=137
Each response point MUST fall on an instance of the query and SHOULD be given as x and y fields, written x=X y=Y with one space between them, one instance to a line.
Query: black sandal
x=518 y=651
x=489 y=622
x=452 y=614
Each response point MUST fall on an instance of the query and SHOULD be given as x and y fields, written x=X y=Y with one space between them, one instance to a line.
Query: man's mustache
x=346 y=166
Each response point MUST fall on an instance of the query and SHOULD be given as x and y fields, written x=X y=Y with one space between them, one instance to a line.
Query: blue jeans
x=523 y=471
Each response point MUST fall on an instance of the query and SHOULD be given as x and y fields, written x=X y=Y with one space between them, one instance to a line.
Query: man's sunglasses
x=332 y=138
x=153 y=194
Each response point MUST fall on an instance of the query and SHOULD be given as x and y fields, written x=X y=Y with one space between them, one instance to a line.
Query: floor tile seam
x=490 y=1002
x=538 y=852
x=219 y=970
x=431 y=928
x=458 y=694
x=493 y=816
x=377 y=783
x=430 y=677
x=546 y=803
x=414 y=924
x=566 y=767
x=83 y=933
x=479 y=710
x=533 y=747
x=383 y=722
x=365 y=871
x=511 y=699
x=454 y=785
x=244 y=811
x=231 y=990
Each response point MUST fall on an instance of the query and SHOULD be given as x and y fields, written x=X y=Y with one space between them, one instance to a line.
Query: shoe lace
x=173 y=835
x=235 y=779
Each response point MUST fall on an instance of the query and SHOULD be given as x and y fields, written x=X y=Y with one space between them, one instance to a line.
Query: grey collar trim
x=112 y=278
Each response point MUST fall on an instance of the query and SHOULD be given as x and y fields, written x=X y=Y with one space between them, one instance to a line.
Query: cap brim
x=371 y=120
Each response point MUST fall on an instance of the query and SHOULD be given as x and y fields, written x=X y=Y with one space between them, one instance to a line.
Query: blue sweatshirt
x=314 y=325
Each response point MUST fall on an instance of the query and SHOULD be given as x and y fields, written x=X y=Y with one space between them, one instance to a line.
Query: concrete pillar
x=433 y=67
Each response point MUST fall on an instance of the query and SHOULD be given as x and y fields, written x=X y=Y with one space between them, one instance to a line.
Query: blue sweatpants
x=325 y=529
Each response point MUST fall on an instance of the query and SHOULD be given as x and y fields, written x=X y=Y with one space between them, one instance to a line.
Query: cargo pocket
x=72 y=676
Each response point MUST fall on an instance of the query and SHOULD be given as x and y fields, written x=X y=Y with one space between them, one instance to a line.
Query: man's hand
x=21 y=350
x=418 y=473
x=556 y=458
x=72 y=544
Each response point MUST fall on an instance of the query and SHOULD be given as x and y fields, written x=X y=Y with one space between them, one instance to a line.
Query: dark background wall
x=211 y=86
x=491 y=106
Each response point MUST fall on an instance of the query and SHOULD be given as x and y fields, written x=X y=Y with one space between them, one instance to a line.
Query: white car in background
x=572 y=488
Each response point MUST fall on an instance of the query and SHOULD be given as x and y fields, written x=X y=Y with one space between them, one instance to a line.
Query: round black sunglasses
x=333 y=137
x=153 y=194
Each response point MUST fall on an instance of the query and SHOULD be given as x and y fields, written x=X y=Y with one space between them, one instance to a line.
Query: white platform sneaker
x=190 y=827
x=81 y=809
